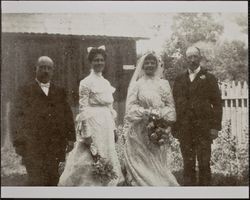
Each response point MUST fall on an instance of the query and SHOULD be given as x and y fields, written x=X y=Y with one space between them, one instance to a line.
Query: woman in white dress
x=95 y=127
x=147 y=163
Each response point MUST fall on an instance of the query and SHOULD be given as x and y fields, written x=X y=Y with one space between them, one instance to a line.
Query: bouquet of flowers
x=158 y=129
x=102 y=168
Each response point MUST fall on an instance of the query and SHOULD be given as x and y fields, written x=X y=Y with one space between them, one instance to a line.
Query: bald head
x=45 y=61
x=193 y=56
x=193 y=51
x=44 y=69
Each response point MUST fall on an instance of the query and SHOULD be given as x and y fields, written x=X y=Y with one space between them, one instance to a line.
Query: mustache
x=43 y=75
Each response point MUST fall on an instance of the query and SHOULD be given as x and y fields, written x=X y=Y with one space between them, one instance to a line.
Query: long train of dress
x=147 y=164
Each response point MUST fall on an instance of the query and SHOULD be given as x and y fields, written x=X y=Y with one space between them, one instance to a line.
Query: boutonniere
x=202 y=77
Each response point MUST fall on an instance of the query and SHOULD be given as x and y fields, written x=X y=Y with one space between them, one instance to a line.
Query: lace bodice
x=150 y=93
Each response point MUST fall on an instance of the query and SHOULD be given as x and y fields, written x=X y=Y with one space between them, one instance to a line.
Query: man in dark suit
x=199 y=114
x=42 y=126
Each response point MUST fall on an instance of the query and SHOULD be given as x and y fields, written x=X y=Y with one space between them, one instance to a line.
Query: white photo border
x=116 y=7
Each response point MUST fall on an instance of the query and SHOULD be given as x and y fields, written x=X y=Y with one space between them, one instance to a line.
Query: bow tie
x=100 y=47
x=45 y=85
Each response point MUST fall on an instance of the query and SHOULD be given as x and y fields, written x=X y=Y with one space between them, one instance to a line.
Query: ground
x=14 y=174
x=218 y=180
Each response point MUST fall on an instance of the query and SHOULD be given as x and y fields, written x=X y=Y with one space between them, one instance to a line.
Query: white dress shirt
x=44 y=87
x=193 y=74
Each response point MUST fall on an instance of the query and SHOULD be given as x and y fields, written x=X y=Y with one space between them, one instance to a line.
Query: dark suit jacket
x=42 y=124
x=202 y=96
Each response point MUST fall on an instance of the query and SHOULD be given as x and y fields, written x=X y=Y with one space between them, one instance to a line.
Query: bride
x=95 y=129
x=146 y=163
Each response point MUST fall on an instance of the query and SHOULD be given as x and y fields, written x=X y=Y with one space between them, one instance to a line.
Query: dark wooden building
x=20 y=51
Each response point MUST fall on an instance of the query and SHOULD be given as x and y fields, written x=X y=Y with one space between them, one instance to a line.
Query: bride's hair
x=139 y=72
x=151 y=57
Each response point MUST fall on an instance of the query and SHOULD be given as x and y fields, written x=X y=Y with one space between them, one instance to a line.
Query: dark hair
x=151 y=57
x=93 y=52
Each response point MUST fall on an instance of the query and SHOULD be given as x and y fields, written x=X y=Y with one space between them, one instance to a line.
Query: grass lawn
x=13 y=174
x=217 y=180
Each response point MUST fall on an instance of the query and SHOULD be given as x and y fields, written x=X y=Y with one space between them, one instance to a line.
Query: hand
x=69 y=146
x=214 y=133
x=61 y=167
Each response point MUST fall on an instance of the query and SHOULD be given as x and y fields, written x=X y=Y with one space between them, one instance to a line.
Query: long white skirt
x=146 y=164
x=78 y=167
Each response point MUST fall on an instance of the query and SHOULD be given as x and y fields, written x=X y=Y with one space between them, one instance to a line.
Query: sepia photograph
x=111 y=96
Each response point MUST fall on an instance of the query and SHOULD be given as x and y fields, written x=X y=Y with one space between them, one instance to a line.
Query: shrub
x=11 y=162
x=229 y=158
x=229 y=161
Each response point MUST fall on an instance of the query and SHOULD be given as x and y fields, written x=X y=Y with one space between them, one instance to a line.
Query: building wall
x=20 y=52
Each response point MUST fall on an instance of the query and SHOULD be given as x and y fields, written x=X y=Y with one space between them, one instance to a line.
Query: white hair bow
x=100 y=47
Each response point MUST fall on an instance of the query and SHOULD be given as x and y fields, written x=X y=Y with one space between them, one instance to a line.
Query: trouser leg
x=189 y=158
x=204 y=157
x=34 y=172
x=51 y=172
x=42 y=171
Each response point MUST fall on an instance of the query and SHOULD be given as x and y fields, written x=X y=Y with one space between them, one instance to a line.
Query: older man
x=42 y=126
x=199 y=113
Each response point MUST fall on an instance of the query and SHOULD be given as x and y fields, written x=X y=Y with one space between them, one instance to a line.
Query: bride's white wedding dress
x=146 y=163
x=96 y=98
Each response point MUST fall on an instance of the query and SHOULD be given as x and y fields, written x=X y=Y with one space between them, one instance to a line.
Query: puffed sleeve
x=134 y=112
x=84 y=112
x=168 y=111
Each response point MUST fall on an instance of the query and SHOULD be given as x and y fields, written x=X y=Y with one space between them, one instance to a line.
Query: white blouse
x=94 y=90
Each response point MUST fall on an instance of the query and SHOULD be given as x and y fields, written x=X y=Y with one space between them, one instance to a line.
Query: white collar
x=40 y=83
x=195 y=71
x=146 y=77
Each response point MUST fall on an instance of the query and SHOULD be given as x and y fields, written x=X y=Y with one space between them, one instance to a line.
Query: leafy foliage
x=241 y=20
x=103 y=170
x=228 y=158
x=189 y=28
x=227 y=60
x=230 y=61
x=158 y=130
x=11 y=162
